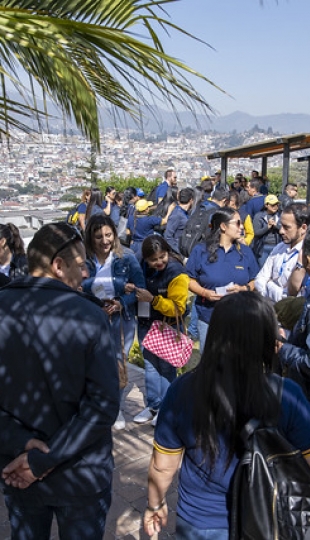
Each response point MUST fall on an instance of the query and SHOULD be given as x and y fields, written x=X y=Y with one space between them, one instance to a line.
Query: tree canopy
x=83 y=51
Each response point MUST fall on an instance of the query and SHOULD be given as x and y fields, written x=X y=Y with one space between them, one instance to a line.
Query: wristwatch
x=298 y=266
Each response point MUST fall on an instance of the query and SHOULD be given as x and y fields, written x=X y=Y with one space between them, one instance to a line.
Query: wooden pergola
x=281 y=145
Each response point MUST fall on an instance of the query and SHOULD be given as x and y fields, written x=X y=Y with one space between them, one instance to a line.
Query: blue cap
x=140 y=192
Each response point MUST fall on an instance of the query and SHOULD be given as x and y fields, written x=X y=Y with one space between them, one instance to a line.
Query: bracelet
x=158 y=507
x=248 y=288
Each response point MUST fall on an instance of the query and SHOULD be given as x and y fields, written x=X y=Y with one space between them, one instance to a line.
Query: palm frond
x=81 y=52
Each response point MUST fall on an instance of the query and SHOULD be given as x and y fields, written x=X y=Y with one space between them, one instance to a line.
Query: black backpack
x=271 y=486
x=152 y=195
x=196 y=229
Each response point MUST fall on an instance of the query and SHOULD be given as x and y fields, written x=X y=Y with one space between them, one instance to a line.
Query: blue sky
x=261 y=54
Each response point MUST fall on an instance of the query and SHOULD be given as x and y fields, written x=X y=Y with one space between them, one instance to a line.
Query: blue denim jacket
x=125 y=269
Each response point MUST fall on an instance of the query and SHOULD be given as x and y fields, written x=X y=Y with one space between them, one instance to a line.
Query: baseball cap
x=140 y=192
x=142 y=205
x=271 y=199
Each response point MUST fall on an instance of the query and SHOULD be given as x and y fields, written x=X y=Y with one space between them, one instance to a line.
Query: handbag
x=168 y=343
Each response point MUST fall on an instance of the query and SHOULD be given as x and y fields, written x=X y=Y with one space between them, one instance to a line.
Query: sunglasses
x=76 y=237
x=236 y=221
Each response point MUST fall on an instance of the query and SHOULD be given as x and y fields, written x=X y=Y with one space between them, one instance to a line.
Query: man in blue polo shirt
x=256 y=202
x=178 y=218
x=169 y=181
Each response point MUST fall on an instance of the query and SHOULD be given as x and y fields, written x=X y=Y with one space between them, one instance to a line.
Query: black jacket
x=59 y=383
x=294 y=356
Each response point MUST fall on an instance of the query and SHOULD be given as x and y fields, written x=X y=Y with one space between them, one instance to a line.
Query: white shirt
x=271 y=281
x=5 y=269
x=103 y=286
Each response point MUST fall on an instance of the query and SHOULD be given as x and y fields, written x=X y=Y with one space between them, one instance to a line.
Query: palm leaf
x=81 y=52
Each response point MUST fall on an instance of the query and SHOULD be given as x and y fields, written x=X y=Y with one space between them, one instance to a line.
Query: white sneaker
x=120 y=422
x=154 y=421
x=143 y=416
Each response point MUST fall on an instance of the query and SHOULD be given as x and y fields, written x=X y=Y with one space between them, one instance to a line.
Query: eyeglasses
x=76 y=237
x=236 y=221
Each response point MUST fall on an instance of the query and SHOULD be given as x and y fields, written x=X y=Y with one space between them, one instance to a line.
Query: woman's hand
x=153 y=521
x=235 y=288
x=143 y=295
x=212 y=296
x=129 y=288
x=112 y=306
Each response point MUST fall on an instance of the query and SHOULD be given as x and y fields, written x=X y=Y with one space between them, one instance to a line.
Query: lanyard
x=286 y=260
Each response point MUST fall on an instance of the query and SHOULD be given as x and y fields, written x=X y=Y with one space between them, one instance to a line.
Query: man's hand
x=18 y=473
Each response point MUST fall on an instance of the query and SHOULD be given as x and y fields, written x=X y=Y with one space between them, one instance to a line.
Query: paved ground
x=132 y=450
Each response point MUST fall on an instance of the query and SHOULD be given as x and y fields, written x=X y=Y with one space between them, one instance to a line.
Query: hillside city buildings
x=56 y=163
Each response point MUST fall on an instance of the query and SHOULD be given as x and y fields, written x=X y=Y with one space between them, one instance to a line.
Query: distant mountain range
x=161 y=121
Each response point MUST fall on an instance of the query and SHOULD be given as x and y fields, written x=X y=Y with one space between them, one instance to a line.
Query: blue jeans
x=193 y=325
x=186 y=531
x=129 y=329
x=33 y=521
x=158 y=376
x=203 y=328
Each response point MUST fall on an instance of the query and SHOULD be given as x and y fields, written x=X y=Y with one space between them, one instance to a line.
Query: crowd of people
x=70 y=309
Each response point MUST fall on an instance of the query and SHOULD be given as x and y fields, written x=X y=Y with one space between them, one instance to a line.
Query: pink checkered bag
x=168 y=343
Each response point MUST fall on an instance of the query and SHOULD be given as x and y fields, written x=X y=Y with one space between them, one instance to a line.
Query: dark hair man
x=294 y=356
x=289 y=195
x=256 y=202
x=178 y=218
x=272 y=280
x=59 y=394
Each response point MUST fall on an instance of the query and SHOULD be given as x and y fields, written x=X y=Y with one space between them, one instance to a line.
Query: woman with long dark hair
x=110 y=268
x=223 y=265
x=13 y=259
x=204 y=411
x=94 y=205
x=166 y=290
x=165 y=207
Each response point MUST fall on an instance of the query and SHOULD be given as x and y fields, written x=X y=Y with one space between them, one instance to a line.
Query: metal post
x=308 y=182
x=286 y=165
x=223 y=170
x=264 y=166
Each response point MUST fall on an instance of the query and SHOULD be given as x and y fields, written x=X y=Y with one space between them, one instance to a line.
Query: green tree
x=121 y=183
x=80 y=52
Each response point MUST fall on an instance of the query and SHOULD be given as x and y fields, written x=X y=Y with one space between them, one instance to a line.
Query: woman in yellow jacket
x=167 y=290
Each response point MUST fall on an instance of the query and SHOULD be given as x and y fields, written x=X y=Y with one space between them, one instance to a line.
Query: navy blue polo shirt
x=161 y=190
x=255 y=204
x=203 y=496
x=143 y=227
x=237 y=265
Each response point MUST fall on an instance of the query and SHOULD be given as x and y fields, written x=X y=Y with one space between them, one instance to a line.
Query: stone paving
x=132 y=451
